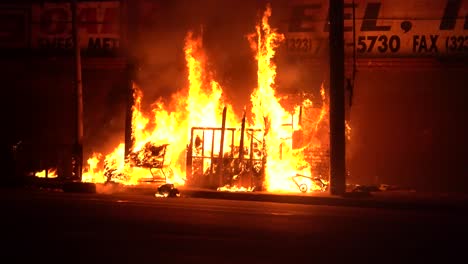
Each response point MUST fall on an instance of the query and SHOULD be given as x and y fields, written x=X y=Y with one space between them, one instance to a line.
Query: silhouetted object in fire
x=167 y=190
x=238 y=166
x=151 y=156
x=304 y=187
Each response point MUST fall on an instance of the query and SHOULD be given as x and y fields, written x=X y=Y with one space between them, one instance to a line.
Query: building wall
x=408 y=127
x=407 y=107
x=37 y=65
x=407 y=111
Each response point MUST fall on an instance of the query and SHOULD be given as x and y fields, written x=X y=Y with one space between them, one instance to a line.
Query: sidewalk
x=401 y=200
x=386 y=199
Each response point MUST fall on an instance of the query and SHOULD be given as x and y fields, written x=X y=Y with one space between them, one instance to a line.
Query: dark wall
x=38 y=100
x=104 y=106
x=40 y=109
x=409 y=128
x=39 y=105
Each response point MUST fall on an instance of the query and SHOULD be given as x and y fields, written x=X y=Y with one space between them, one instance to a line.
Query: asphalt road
x=53 y=227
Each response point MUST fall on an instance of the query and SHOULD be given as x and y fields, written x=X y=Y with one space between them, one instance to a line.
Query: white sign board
x=396 y=28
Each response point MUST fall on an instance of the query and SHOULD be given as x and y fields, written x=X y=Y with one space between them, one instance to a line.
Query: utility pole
x=221 y=150
x=78 y=148
x=337 y=98
x=129 y=31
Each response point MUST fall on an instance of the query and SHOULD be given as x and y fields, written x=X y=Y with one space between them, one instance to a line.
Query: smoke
x=104 y=106
x=224 y=26
x=157 y=45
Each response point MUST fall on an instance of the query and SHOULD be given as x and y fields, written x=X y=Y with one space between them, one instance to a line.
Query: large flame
x=283 y=162
x=200 y=105
x=167 y=129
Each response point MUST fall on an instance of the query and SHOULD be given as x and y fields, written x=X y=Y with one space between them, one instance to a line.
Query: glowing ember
x=51 y=173
x=347 y=130
x=228 y=188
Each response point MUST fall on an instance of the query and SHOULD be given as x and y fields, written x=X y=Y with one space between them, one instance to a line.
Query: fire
x=51 y=173
x=199 y=105
x=347 y=130
x=283 y=162
x=92 y=172
x=323 y=110
x=204 y=99
x=235 y=188
x=160 y=138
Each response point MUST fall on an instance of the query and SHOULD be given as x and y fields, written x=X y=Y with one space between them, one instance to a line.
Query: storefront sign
x=396 y=28
x=99 y=25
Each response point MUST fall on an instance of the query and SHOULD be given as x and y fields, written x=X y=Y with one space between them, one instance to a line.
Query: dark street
x=87 y=228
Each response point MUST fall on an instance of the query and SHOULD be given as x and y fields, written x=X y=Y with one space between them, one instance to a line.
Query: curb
x=367 y=201
x=352 y=199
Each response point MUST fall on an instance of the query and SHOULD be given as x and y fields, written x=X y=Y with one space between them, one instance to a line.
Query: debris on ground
x=167 y=190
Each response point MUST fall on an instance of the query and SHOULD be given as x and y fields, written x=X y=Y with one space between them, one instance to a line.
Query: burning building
x=210 y=146
x=235 y=95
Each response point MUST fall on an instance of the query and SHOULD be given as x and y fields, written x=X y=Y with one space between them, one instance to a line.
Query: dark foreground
x=46 y=227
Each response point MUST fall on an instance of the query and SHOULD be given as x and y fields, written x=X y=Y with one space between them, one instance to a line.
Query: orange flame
x=201 y=105
x=234 y=188
x=51 y=173
x=283 y=162
x=92 y=173
x=347 y=130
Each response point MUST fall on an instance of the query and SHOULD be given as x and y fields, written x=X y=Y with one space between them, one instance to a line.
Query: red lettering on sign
x=53 y=21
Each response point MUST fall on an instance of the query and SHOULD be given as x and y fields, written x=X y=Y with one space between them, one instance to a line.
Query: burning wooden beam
x=221 y=149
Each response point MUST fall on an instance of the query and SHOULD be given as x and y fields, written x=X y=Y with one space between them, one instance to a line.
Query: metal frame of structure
x=242 y=165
